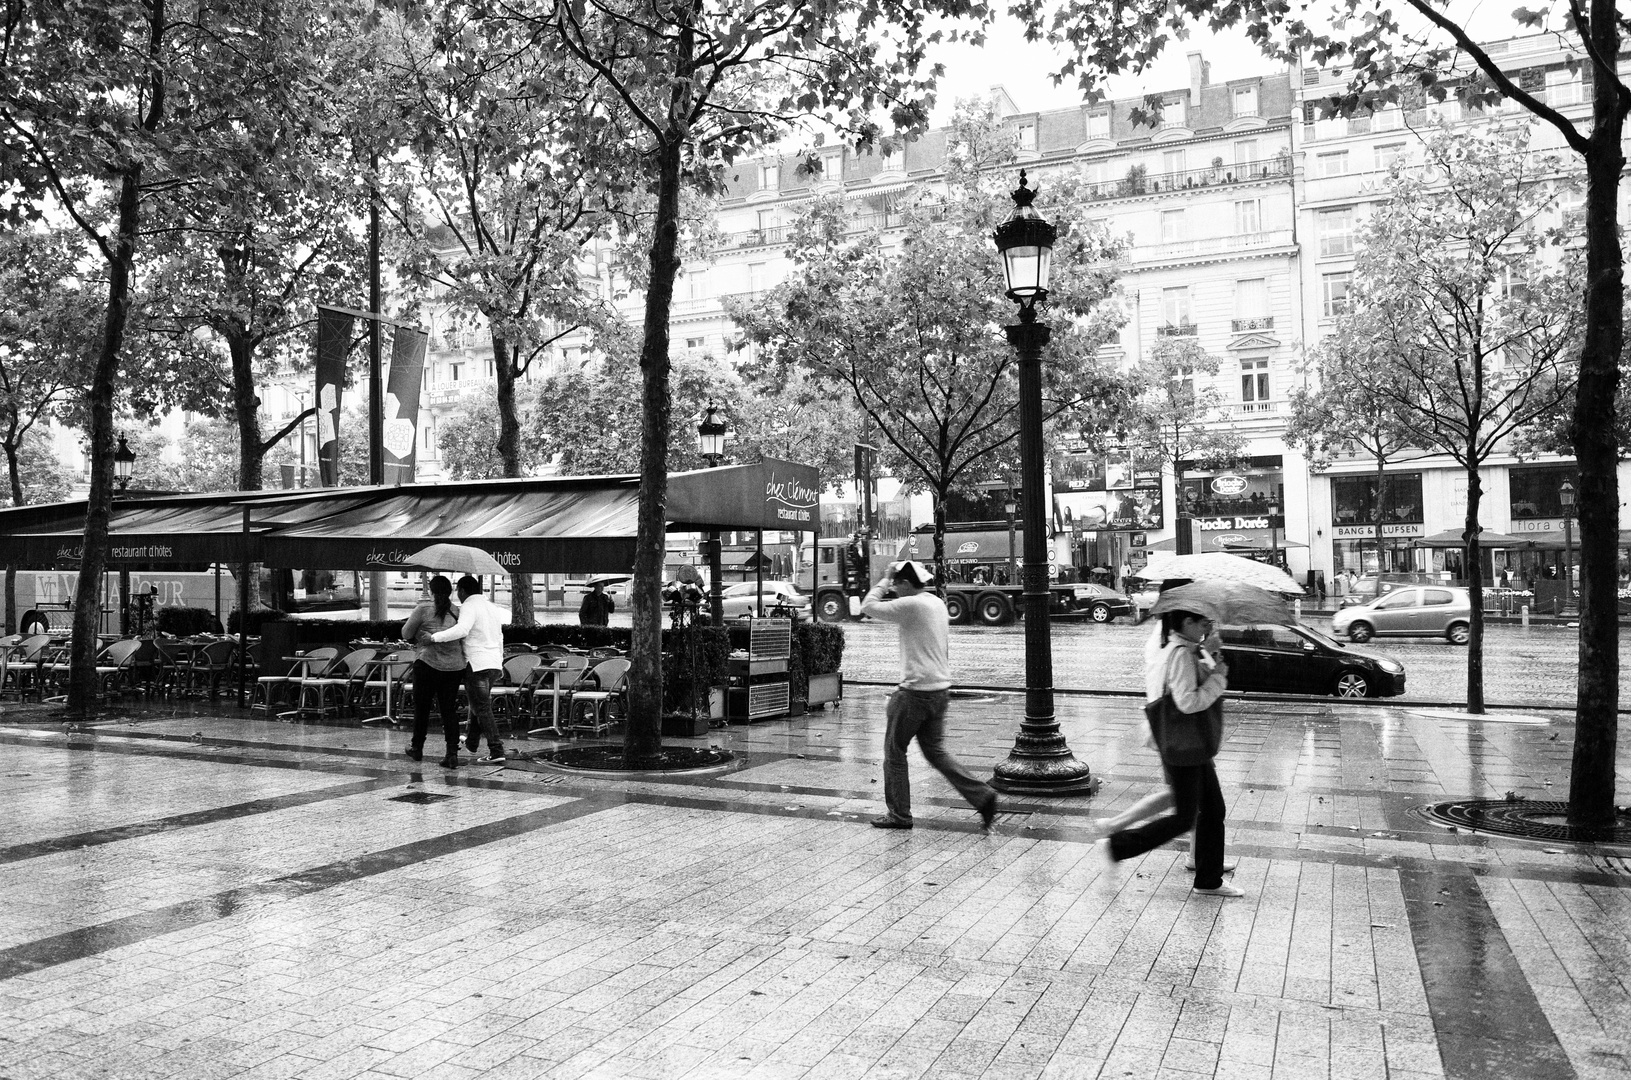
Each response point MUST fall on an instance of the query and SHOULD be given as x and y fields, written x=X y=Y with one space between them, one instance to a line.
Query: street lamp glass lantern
x=124 y=462
x=1025 y=242
x=711 y=434
x=1565 y=495
x=1010 y=507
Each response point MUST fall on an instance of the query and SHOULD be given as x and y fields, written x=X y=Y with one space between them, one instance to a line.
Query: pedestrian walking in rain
x=597 y=607
x=1187 y=722
x=482 y=632
x=438 y=671
x=917 y=708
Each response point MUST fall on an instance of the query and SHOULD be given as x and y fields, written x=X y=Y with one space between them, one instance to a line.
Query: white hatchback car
x=743 y=599
x=1413 y=609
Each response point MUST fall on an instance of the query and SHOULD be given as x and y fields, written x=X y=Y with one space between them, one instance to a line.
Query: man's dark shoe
x=416 y=753
x=450 y=762
x=988 y=812
x=472 y=740
x=890 y=823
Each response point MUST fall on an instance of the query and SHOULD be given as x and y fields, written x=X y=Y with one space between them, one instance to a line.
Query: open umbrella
x=610 y=579
x=457 y=558
x=1220 y=566
x=1224 y=602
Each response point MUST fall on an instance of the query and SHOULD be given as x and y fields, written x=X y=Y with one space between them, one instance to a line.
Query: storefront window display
x=1248 y=491
x=1536 y=489
x=1094 y=493
x=1355 y=501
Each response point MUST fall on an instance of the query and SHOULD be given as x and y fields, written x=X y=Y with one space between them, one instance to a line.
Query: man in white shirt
x=917 y=709
x=482 y=632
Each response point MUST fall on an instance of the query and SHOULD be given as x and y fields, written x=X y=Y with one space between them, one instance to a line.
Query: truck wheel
x=994 y=610
x=1101 y=613
x=956 y=609
x=831 y=607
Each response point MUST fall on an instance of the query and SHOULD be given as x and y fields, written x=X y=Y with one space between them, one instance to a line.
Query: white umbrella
x=1220 y=566
x=458 y=558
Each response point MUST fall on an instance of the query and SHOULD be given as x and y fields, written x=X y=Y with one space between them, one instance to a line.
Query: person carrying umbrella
x=597 y=607
x=1188 y=725
x=482 y=632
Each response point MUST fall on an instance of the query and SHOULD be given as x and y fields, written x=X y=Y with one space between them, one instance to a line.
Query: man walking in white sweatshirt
x=917 y=709
x=482 y=631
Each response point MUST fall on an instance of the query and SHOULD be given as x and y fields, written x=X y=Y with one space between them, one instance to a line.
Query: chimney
x=1199 y=73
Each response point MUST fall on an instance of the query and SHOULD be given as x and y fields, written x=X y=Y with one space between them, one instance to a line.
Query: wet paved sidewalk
x=210 y=896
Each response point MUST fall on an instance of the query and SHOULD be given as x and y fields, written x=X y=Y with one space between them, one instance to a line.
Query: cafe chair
x=21 y=673
x=266 y=686
x=335 y=685
x=115 y=666
x=595 y=706
x=210 y=665
x=518 y=671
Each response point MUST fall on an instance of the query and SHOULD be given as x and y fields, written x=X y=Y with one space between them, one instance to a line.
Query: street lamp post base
x=1041 y=764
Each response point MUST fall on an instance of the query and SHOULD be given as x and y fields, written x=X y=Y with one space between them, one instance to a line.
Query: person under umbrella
x=438 y=671
x=597 y=607
x=482 y=631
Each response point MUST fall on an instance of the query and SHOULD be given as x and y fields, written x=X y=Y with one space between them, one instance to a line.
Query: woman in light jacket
x=1192 y=680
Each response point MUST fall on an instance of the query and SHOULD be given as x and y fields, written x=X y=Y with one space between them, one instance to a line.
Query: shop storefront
x=1356 y=502
x=1538 y=494
x=1255 y=489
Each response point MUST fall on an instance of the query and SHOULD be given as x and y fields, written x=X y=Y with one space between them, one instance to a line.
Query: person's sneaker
x=988 y=812
x=416 y=753
x=450 y=762
x=1221 y=890
x=890 y=823
x=1229 y=865
x=473 y=740
x=492 y=757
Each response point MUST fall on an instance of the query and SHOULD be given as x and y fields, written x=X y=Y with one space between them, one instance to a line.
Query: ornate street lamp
x=1040 y=762
x=711 y=445
x=1565 y=496
x=124 y=463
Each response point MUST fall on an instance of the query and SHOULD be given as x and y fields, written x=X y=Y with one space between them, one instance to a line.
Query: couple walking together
x=1185 y=677
x=456 y=647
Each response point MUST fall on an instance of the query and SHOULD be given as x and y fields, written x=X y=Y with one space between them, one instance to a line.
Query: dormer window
x=1175 y=113
x=1244 y=101
x=1098 y=125
x=1025 y=136
x=770 y=177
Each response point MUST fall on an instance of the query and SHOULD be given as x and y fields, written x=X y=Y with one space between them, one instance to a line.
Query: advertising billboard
x=1093 y=492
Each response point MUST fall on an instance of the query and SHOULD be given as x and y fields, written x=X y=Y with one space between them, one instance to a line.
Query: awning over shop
x=1260 y=544
x=533 y=525
x=742 y=560
x=1451 y=538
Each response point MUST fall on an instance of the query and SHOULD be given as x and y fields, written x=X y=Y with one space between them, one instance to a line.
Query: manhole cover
x=420 y=798
x=1527 y=818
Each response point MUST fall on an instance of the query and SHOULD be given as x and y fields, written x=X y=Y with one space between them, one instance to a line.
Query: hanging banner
x=333 y=342
x=402 y=404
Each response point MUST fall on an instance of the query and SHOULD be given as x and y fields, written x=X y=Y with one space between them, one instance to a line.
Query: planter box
x=826 y=688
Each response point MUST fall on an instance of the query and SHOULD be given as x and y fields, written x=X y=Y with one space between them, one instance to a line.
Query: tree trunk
x=509 y=456
x=1475 y=590
x=1379 y=511
x=1597 y=687
x=940 y=536
x=644 y=734
x=11 y=599
x=246 y=411
x=99 y=506
x=14 y=474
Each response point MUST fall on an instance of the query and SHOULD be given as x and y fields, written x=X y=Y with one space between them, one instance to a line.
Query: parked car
x=741 y=600
x=1412 y=610
x=1145 y=594
x=1101 y=602
x=1301 y=660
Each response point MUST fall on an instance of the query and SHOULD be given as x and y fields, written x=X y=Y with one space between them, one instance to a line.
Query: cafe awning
x=1451 y=538
x=532 y=525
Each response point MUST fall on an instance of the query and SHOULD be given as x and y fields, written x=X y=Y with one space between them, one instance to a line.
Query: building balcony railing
x=1211 y=245
x=1189 y=179
x=1243 y=326
x=1187 y=329
x=1258 y=408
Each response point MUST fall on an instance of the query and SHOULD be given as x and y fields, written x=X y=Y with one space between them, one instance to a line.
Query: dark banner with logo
x=402 y=404
x=333 y=342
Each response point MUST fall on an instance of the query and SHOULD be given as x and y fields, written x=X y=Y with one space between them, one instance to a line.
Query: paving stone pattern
x=191 y=893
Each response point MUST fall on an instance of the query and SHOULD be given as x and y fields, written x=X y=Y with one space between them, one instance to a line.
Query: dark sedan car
x=1301 y=660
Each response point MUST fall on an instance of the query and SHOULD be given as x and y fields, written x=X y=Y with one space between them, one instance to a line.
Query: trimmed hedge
x=818 y=648
x=179 y=621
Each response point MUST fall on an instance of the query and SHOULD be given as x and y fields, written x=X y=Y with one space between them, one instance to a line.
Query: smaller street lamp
x=1565 y=496
x=711 y=445
x=124 y=463
x=1009 y=507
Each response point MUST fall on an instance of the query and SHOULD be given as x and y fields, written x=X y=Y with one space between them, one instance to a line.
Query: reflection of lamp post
x=711 y=445
x=1565 y=496
x=1008 y=508
x=1040 y=762
x=124 y=463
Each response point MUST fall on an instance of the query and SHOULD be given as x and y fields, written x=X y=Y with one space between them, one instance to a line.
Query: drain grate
x=420 y=798
x=1527 y=818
